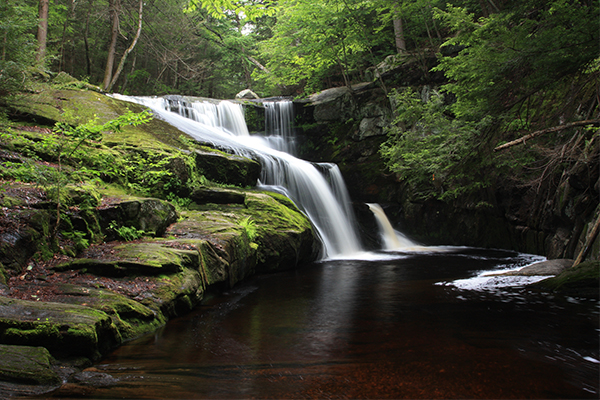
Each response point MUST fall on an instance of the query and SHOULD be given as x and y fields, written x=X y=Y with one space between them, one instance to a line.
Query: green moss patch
x=134 y=259
x=64 y=329
x=28 y=365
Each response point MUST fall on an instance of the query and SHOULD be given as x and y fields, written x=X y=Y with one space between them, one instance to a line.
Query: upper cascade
x=318 y=190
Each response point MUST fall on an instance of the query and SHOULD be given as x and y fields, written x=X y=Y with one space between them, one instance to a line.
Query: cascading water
x=222 y=124
x=278 y=125
x=392 y=239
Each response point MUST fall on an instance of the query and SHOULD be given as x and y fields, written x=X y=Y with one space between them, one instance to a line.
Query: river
x=400 y=325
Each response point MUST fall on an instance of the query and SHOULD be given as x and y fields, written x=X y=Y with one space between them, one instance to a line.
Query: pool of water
x=397 y=327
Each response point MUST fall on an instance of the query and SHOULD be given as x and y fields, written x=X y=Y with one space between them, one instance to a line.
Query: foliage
x=513 y=58
x=79 y=239
x=433 y=153
x=250 y=10
x=127 y=233
x=527 y=66
x=249 y=227
x=17 y=46
x=313 y=41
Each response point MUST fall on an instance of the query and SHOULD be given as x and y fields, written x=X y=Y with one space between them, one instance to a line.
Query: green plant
x=179 y=202
x=127 y=233
x=79 y=239
x=249 y=227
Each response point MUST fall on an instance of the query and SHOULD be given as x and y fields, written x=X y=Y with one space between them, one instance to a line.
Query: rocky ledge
x=108 y=240
x=59 y=315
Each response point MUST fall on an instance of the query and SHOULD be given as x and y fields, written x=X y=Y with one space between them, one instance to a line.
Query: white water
x=222 y=125
x=278 y=125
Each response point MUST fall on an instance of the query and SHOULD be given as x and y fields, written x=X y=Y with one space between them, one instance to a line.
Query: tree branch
x=547 y=130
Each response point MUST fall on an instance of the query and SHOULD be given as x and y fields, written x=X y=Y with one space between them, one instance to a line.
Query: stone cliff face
x=552 y=218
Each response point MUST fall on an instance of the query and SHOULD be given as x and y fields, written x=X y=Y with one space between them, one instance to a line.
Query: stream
x=420 y=324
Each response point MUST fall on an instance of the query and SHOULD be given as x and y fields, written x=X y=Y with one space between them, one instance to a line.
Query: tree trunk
x=129 y=49
x=42 y=32
x=114 y=6
x=399 y=30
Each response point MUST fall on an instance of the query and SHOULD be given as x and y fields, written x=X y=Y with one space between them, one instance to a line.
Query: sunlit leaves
x=247 y=9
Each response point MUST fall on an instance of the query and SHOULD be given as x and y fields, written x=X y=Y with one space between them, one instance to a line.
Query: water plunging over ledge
x=319 y=192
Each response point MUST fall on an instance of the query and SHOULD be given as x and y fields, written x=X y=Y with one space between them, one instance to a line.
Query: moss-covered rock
x=153 y=216
x=204 y=195
x=582 y=280
x=133 y=259
x=26 y=364
x=131 y=317
x=64 y=329
x=221 y=167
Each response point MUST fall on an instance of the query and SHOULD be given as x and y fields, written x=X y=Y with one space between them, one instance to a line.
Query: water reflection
x=370 y=329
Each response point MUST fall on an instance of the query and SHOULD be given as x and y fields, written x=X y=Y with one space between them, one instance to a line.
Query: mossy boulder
x=153 y=216
x=26 y=364
x=131 y=317
x=221 y=167
x=134 y=259
x=204 y=195
x=64 y=329
x=176 y=294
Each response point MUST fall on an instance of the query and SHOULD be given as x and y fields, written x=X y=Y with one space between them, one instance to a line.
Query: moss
x=176 y=294
x=3 y=276
x=27 y=365
x=131 y=318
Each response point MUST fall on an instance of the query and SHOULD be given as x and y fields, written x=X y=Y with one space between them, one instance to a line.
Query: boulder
x=247 y=94
x=153 y=216
x=206 y=195
x=27 y=364
x=550 y=267
x=64 y=329
x=582 y=280
x=26 y=371
x=227 y=168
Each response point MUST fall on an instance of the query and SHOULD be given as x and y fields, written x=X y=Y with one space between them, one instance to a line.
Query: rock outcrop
x=85 y=266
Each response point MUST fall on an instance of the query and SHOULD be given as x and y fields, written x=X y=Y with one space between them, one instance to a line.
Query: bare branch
x=547 y=130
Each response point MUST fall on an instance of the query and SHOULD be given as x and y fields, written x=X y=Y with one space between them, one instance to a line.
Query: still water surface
x=392 y=328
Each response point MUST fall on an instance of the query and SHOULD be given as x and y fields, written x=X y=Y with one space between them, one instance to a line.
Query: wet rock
x=153 y=216
x=582 y=280
x=227 y=168
x=550 y=267
x=217 y=196
x=26 y=364
x=64 y=329
x=247 y=94
x=94 y=378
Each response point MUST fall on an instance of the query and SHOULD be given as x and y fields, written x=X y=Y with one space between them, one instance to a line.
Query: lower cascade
x=317 y=189
x=392 y=239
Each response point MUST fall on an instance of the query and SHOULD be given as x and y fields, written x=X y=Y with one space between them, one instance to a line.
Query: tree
x=42 y=32
x=314 y=41
x=114 y=10
x=17 y=45
x=129 y=49
x=529 y=66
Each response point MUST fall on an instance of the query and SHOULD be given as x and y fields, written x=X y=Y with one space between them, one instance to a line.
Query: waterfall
x=392 y=239
x=278 y=125
x=322 y=196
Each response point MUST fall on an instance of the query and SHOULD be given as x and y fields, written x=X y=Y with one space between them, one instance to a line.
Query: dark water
x=370 y=329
